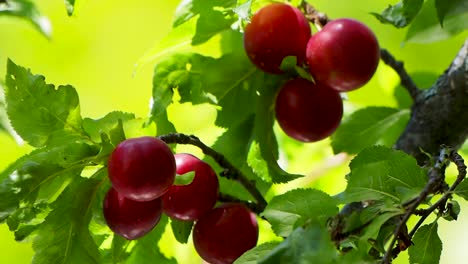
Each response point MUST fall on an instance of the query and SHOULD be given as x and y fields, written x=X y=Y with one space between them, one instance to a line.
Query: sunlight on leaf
x=27 y=10
x=401 y=14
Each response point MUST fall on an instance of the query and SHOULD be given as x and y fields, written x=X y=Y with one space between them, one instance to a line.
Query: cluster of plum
x=341 y=57
x=143 y=172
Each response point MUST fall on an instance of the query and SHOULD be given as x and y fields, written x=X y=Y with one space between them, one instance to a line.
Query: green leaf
x=452 y=212
x=233 y=85
x=462 y=189
x=64 y=236
x=54 y=109
x=383 y=173
x=27 y=10
x=70 y=6
x=146 y=250
x=427 y=245
x=244 y=10
x=294 y=208
x=311 y=244
x=288 y=63
x=95 y=127
x=41 y=175
x=181 y=230
x=426 y=27
x=179 y=71
x=372 y=230
x=119 y=249
x=289 y=66
x=263 y=132
x=227 y=81
x=9 y=202
x=3 y=116
x=178 y=39
x=188 y=9
x=184 y=12
x=445 y=7
x=253 y=255
x=29 y=214
x=210 y=24
x=367 y=127
x=257 y=103
x=401 y=14
x=366 y=222
x=234 y=144
x=163 y=125
x=25 y=231
x=184 y=179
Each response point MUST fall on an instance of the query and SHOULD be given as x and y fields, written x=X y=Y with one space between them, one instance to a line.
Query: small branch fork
x=230 y=171
x=435 y=184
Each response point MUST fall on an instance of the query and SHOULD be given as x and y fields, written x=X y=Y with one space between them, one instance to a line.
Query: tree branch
x=439 y=115
x=406 y=80
x=230 y=172
x=459 y=162
x=436 y=184
x=319 y=19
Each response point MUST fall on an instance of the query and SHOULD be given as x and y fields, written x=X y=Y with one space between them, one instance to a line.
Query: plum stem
x=230 y=171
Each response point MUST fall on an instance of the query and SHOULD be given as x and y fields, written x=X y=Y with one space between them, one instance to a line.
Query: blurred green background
x=96 y=51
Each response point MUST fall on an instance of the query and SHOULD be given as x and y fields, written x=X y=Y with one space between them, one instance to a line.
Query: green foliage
x=462 y=190
x=252 y=256
x=56 y=110
x=452 y=212
x=27 y=10
x=304 y=245
x=369 y=126
x=401 y=14
x=445 y=8
x=185 y=178
x=181 y=230
x=428 y=21
x=226 y=81
x=243 y=11
x=63 y=237
x=426 y=28
x=3 y=116
x=53 y=195
x=380 y=173
x=211 y=20
x=49 y=193
x=427 y=245
x=70 y=5
x=146 y=250
x=107 y=125
x=294 y=208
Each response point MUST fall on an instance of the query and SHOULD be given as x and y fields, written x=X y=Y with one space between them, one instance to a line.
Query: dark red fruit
x=130 y=219
x=190 y=202
x=275 y=32
x=308 y=112
x=343 y=55
x=225 y=233
x=142 y=169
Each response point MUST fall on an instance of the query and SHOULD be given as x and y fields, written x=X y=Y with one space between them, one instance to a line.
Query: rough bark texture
x=440 y=114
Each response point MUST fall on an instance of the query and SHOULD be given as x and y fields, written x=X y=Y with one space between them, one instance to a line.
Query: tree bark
x=439 y=115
